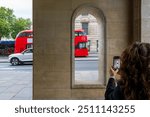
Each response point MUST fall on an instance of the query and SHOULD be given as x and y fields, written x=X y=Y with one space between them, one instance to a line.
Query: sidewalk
x=87 y=77
x=14 y=85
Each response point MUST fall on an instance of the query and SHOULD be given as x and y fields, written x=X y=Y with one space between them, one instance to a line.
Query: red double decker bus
x=80 y=43
x=23 y=40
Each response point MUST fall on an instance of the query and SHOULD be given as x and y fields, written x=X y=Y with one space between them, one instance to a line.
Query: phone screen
x=116 y=62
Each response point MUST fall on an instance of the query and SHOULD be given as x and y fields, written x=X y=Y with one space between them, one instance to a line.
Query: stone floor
x=16 y=88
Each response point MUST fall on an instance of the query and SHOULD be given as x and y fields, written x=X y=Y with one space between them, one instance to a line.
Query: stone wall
x=52 y=44
x=145 y=21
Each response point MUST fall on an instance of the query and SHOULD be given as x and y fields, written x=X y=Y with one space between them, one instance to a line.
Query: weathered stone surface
x=52 y=44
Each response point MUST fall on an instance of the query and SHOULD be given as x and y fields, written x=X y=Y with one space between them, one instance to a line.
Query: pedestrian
x=134 y=72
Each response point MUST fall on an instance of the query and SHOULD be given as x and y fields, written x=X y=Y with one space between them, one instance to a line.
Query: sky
x=21 y=8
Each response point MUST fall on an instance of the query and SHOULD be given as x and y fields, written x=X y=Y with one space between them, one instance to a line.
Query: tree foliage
x=10 y=25
x=6 y=21
x=5 y=28
x=19 y=25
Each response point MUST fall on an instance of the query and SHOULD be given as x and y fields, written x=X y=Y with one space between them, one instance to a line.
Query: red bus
x=23 y=40
x=80 y=43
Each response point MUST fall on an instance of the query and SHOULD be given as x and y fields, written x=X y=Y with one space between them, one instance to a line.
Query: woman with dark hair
x=134 y=81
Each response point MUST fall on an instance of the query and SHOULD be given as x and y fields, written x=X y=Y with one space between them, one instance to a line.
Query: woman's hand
x=114 y=73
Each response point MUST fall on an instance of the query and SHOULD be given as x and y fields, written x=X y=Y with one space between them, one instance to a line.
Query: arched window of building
x=89 y=69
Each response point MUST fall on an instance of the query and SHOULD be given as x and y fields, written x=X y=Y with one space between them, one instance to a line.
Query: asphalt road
x=19 y=68
x=86 y=65
x=79 y=66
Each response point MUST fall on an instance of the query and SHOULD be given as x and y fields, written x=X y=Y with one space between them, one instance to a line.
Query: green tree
x=19 y=25
x=10 y=25
x=6 y=21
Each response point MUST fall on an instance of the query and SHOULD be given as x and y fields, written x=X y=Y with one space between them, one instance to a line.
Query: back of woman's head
x=135 y=71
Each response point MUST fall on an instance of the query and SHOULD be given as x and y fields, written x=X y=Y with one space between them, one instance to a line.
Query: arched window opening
x=88 y=47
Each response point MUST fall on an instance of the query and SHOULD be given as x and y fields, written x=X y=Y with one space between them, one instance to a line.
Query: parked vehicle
x=20 y=58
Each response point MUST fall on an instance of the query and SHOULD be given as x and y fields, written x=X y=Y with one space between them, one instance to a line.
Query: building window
x=85 y=27
x=84 y=14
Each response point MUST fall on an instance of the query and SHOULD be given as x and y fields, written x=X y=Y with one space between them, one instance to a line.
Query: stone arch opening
x=96 y=79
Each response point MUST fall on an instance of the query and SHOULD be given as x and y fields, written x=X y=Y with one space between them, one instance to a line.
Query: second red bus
x=80 y=43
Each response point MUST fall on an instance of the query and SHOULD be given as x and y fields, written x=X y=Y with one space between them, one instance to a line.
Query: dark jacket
x=113 y=91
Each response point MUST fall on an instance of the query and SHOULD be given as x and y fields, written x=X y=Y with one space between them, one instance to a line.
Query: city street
x=15 y=82
x=86 y=70
x=19 y=68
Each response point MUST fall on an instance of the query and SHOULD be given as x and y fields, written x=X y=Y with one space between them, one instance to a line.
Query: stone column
x=136 y=20
x=145 y=21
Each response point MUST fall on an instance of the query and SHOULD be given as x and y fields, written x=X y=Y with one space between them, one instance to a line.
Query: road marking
x=17 y=69
x=8 y=68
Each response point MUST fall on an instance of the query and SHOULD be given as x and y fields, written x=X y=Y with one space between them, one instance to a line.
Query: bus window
x=25 y=34
x=82 y=45
x=29 y=45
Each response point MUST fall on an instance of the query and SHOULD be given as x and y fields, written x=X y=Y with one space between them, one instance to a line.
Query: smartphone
x=116 y=62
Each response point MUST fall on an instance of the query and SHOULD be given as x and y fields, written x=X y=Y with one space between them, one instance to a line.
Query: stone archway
x=98 y=14
x=53 y=75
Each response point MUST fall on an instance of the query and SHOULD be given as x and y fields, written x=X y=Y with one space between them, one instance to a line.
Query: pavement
x=87 y=77
x=16 y=88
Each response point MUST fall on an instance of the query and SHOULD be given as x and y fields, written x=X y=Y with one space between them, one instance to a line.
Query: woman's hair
x=135 y=71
